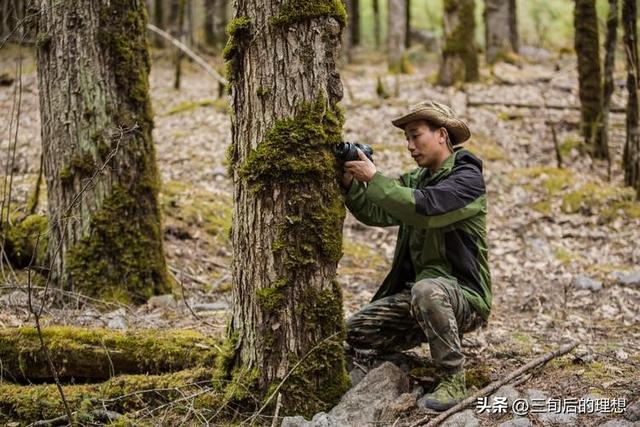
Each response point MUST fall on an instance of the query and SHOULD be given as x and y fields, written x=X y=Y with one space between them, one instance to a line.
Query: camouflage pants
x=433 y=311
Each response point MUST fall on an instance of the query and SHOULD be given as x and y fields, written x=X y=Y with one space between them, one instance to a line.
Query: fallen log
x=124 y=394
x=566 y=348
x=89 y=355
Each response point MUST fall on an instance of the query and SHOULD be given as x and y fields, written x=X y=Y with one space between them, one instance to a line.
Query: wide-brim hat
x=437 y=114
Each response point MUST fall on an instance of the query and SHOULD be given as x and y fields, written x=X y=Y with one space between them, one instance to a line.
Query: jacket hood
x=466 y=157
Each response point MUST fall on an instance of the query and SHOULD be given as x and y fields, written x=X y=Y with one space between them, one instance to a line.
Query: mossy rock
x=591 y=197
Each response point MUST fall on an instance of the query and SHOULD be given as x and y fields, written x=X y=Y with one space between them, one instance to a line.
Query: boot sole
x=440 y=406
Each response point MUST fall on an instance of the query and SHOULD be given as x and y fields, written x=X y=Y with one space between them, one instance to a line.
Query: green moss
x=122 y=258
x=592 y=197
x=98 y=353
x=478 y=376
x=221 y=105
x=295 y=11
x=543 y=206
x=43 y=40
x=568 y=145
x=460 y=42
x=238 y=31
x=566 y=256
x=485 y=147
x=20 y=241
x=553 y=180
x=270 y=299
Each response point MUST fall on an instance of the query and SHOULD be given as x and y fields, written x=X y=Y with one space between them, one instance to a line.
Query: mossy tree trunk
x=288 y=210
x=589 y=76
x=498 y=19
x=459 y=53
x=396 y=33
x=100 y=165
x=631 y=155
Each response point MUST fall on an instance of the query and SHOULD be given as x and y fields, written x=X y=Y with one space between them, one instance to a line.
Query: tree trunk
x=220 y=21
x=631 y=155
x=347 y=36
x=159 y=21
x=82 y=354
x=513 y=18
x=407 y=23
x=609 y=65
x=182 y=5
x=354 y=23
x=459 y=54
x=498 y=32
x=589 y=74
x=376 y=23
x=209 y=12
x=288 y=210
x=396 y=37
x=100 y=166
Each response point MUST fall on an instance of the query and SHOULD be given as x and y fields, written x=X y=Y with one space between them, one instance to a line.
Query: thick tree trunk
x=609 y=65
x=589 y=74
x=396 y=37
x=100 y=166
x=498 y=32
x=93 y=355
x=631 y=155
x=288 y=212
x=459 y=54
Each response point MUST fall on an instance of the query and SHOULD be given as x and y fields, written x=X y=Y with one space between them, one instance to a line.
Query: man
x=439 y=286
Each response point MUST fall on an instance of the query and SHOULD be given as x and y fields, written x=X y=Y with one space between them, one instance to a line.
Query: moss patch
x=20 y=241
x=294 y=11
x=591 y=197
x=485 y=147
x=238 y=31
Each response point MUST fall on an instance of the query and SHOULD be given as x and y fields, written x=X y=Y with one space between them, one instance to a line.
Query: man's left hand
x=363 y=169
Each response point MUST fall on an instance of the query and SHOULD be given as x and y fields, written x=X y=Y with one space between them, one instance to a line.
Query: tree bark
x=609 y=65
x=396 y=37
x=82 y=354
x=498 y=18
x=459 y=54
x=288 y=211
x=631 y=155
x=100 y=166
x=589 y=74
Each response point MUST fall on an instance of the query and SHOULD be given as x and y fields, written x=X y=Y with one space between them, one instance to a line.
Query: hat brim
x=458 y=129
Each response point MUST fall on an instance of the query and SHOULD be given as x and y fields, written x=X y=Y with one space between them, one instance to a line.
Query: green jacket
x=442 y=219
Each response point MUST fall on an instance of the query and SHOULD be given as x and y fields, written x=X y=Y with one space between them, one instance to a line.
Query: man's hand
x=363 y=169
x=347 y=179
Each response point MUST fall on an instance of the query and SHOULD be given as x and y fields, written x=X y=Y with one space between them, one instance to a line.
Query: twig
x=177 y=43
x=496 y=385
x=274 y=422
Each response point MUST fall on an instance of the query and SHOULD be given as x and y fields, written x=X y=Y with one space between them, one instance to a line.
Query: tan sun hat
x=439 y=115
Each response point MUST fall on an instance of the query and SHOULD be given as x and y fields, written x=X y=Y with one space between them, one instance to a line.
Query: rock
x=296 y=421
x=16 y=298
x=461 y=419
x=219 y=171
x=631 y=280
x=119 y=323
x=362 y=405
x=402 y=405
x=516 y=422
x=584 y=282
x=418 y=391
x=618 y=423
x=548 y=418
x=162 y=301
x=632 y=412
x=323 y=420
x=592 y=398
x=213 y=306
x=356 y=375
x=508 y=392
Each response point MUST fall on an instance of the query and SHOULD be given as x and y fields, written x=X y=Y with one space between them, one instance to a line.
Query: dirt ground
x=546 y=225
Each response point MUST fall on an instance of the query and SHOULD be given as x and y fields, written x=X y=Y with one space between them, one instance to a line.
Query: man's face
x=423 y=144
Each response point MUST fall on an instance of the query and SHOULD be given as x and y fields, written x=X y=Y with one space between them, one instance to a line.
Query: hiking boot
x=449 y=392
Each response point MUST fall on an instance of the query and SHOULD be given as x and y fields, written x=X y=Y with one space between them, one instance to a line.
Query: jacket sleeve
x=458 y=196
x=364 y=210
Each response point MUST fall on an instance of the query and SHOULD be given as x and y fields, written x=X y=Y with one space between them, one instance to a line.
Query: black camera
x=347 y=151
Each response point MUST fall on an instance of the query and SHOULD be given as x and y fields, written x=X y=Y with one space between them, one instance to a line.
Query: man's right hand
x=347 y=179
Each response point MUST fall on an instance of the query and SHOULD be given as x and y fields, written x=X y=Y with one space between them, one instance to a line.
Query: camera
x=347 y=151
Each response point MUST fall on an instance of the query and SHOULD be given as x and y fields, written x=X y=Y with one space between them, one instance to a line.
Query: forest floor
x=546 y=225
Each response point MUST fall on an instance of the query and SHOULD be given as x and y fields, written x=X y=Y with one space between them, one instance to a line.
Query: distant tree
x=376 y=23
x=609 y=66
x=159 y=21
x=179 y=34
x=100 y=165
x=396 y=33
x=407 y=23
x=354 y=22
x=288 y=210
x=589 y=76
x=631 y=155
x=499 y=19
x=215 y=22
x=459 y=54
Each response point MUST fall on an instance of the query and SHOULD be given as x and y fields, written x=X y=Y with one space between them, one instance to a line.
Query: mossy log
x=86 y=355
x=124 y=394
